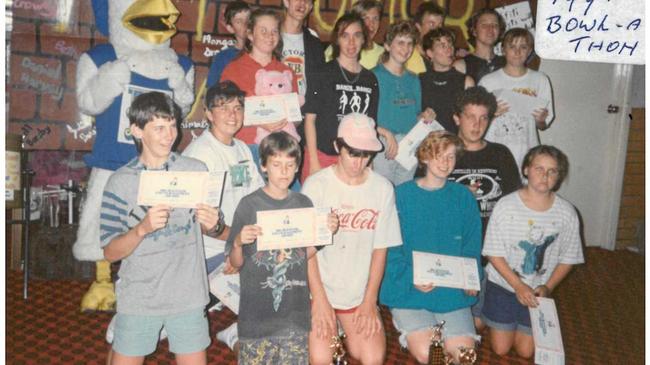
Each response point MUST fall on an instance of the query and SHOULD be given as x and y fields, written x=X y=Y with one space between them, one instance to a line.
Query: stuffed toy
x=273 y=83
x=138 y=59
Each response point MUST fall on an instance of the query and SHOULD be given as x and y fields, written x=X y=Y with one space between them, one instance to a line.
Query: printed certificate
x=520 y=103
x=225 y=287
x=291 y=228
x=549 y=349
x=446 y=271
x=409 y=144
x=181 y=189
x=271 y=108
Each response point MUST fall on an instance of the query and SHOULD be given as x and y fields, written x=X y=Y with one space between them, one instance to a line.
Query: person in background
x=370 y=11
x=399 y=100
x=236 y=16
x=428 y=16
x=484 y=29
x=516 y=131
x=442 y=84
x=532 y=242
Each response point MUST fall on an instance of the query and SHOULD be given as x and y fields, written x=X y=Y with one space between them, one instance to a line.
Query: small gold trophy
x=467 y=356
x=436 y=351
x=338 y=357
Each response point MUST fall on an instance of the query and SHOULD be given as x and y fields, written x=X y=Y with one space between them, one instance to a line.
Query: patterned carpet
x=601 y=308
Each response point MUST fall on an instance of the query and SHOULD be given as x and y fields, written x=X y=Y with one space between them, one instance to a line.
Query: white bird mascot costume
x=138 y=59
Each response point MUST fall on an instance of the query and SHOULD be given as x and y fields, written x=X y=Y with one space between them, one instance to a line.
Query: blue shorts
x=458 y=323
x=502 y=310
x=477 y=308
x=137 y=335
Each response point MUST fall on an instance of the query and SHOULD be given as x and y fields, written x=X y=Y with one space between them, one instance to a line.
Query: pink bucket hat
x=358 y=131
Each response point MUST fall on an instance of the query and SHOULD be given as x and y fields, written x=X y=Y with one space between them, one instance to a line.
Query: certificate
x=181 y=189
x=225 y=287
x=409 y=144
x=520 y=103
x=291 y=228
x=549 y=349
x=271 y=108
x=446 y=271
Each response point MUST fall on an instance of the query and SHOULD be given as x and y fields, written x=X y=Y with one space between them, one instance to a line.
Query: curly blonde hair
x=434 y=144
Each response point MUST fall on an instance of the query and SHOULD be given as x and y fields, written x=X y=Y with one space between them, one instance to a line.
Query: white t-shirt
x=293 y=55
x=533 y=243
x=518 y=132
x=242 y=179
x=367 y=221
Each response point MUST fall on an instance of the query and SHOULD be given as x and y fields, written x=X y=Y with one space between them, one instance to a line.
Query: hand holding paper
x=207 y=216
x=248 y=235
x=155 y=219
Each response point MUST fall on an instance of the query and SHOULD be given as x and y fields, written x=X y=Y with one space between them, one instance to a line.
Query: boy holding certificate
x=162 y=277
x=441 y=217
x=345 y=277
x=274 y=311
x=532 y=243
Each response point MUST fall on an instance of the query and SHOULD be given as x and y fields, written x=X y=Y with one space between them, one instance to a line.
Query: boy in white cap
x=344 y=278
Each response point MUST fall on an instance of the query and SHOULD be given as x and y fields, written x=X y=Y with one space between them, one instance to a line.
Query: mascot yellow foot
x=101 y=295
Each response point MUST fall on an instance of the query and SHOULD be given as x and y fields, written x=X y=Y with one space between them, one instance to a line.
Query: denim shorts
x=502 y=310
x=458 y=323
x=477 y=308
x=137 y=335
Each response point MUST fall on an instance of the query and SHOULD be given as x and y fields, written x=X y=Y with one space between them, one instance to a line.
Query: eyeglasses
x=539 y=170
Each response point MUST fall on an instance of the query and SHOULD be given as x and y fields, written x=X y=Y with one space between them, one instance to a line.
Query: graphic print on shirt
x=296 y=63
x=485 y=184
x=526 y=91
x=353 y=99
x=353 y=219
x=278 y=262
x=535 y=248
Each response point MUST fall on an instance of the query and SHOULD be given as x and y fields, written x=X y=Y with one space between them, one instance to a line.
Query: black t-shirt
x=495 y=172
x=476 y=67
x=335 y=92
x=439 y=92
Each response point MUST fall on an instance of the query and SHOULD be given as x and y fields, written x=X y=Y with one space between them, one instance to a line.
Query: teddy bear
x=274 y=83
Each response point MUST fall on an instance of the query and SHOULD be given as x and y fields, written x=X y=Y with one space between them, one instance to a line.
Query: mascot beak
x=151 y=20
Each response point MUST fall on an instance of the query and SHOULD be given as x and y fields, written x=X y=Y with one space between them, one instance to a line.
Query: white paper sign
x=225 y=287
x=409 y=144
x=594 y=31
x=271 y=108
x=129 y=93
x=519 y=103
x=549 y=349
x=291 y=228
x=446 y=271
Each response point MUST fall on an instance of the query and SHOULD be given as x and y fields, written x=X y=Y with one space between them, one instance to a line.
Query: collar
x=136 y=164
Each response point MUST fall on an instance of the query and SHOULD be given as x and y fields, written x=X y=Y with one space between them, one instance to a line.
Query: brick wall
x=44 y=56
x=632 y=210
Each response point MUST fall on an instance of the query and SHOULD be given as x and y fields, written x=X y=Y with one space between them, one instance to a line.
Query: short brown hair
x=400 y=28
x=363 y=6
x=341 y=24
x=435 y=34
x=425 y=8
x=515 y=33
x=554 y=153
x=434 y=144
x=471 y=24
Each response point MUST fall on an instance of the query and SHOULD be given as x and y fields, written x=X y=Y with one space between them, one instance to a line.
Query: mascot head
x=136 y=24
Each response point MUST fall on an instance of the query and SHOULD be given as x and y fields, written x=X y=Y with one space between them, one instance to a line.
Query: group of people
x=465 y=197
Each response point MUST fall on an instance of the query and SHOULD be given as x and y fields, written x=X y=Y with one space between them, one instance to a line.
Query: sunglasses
x=355 y=153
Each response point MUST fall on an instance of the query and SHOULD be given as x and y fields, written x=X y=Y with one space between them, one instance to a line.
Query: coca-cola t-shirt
x=367 y=221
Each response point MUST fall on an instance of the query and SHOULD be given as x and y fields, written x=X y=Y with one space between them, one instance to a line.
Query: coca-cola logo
x=357 y=220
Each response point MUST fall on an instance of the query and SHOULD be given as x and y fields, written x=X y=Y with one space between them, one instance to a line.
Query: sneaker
x=229 y=336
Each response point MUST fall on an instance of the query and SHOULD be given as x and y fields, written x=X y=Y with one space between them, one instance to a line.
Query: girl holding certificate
x=441 y=217
x=532 y=241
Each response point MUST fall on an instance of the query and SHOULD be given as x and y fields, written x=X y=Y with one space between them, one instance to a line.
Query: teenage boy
x=516 y=131
x=236 y=14
x=370 y=11
x=301 y=48
x=428 y=16
x=163 y=278
x=221 y=151
x=484 y=28
x=345 y=277
x=442 y=84
x=488 y=169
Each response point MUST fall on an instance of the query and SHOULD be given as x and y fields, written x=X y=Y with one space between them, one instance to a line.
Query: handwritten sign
x=591 y=30
x=517 y=15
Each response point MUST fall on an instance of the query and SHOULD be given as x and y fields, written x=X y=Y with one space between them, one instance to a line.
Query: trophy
x=338 y=357
x=467 y=356
x=436 y=351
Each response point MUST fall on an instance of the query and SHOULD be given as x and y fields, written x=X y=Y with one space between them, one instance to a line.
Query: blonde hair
x=434 y=144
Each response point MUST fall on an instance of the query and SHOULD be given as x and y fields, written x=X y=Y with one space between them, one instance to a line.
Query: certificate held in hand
x=446 y=271
x=181 y=189
x=411 y=141
x=271 y=108
x=291 y=228
x=549 y=349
